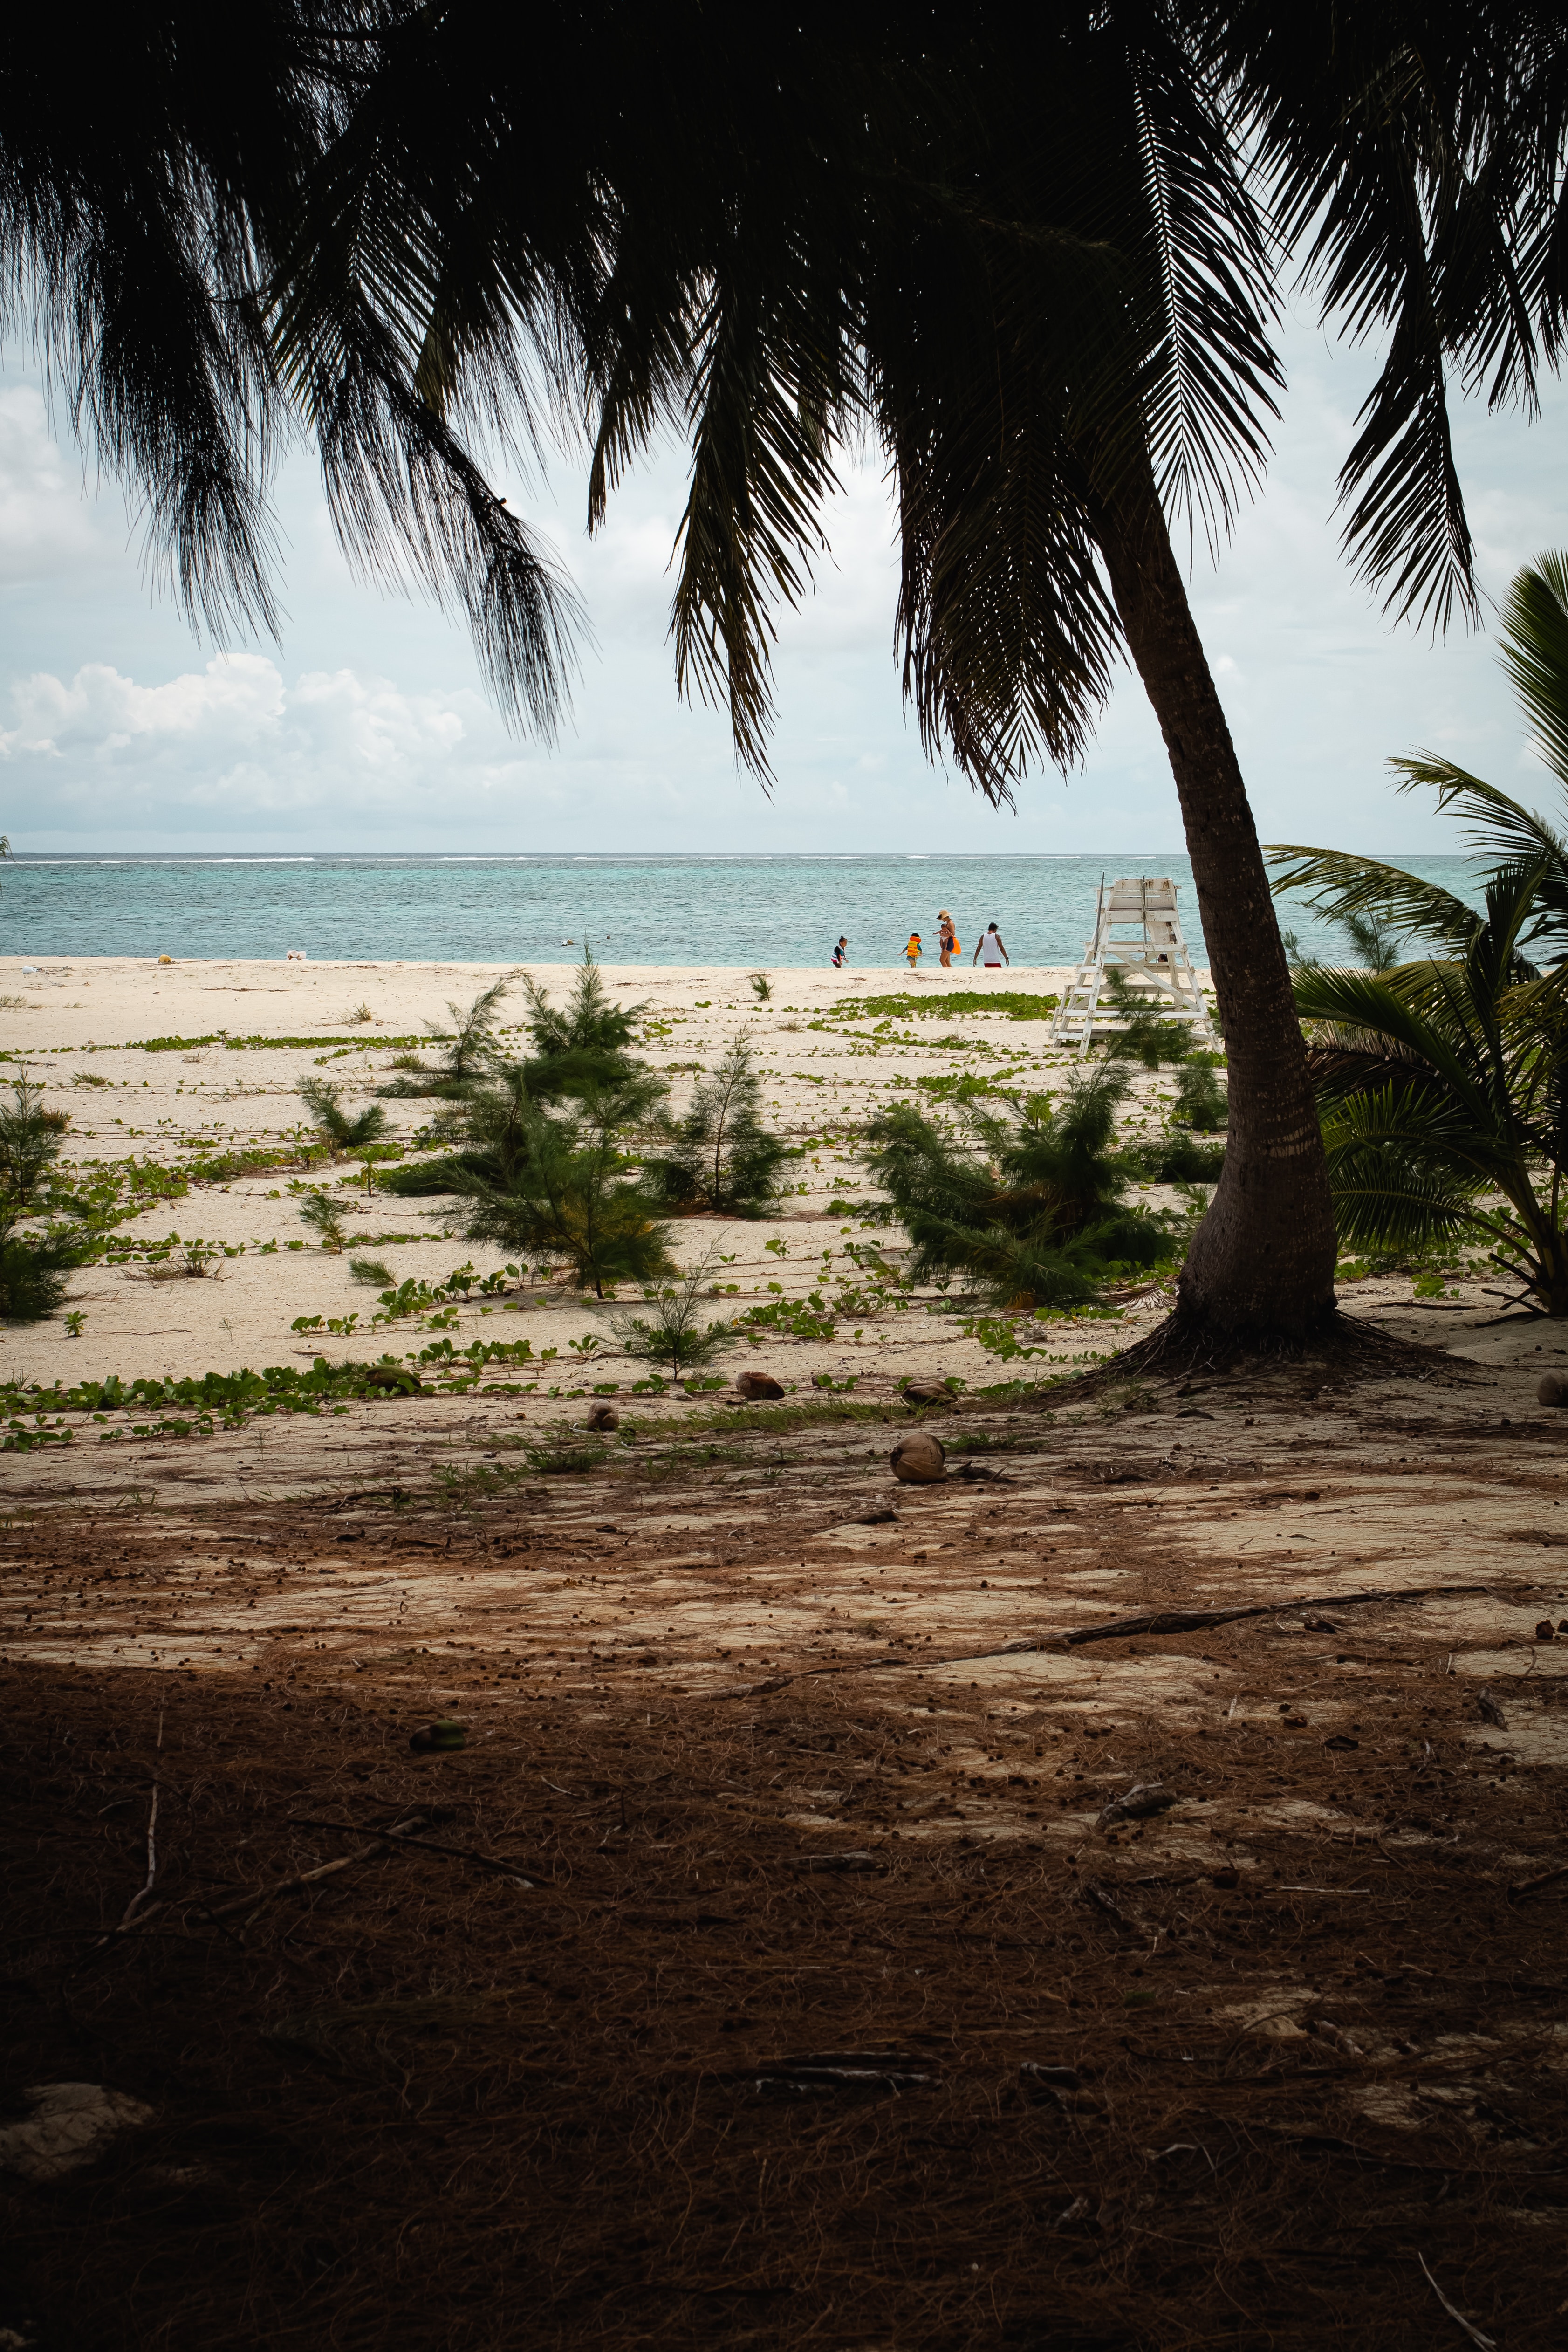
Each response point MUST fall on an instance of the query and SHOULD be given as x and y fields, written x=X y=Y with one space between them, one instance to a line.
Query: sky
x=368 y=727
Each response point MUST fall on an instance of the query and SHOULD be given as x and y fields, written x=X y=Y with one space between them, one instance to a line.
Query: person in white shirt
x=990 y=950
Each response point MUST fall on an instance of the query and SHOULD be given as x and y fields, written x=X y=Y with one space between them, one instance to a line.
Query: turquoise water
x=739 y=911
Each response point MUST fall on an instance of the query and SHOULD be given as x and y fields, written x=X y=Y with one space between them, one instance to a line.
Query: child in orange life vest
x=914 y=950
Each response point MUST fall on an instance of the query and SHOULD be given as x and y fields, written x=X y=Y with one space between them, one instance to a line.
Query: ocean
x=744 y=912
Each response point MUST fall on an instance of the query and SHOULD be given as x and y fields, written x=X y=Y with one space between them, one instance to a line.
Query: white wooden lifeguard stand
x=1137 y=932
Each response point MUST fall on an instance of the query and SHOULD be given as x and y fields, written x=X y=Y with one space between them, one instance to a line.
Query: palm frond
x=1338 y=884
x=1499 y=827
x=1405 y=153
x=139 y=184
x=1383 y=1202
x=1406 y=531
x=1420 y=1121
x=761 y=473
x=1212 y=370
x=1388 y=1009
x=982 y=356
x=1535 y=653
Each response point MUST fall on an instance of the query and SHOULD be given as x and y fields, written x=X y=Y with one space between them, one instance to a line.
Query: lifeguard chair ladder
x=1137 y=931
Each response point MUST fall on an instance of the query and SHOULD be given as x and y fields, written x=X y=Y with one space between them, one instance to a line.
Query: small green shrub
x=1201 y=1102
x=325 y=1218
x=33 y=1272
x=29 y=1140
x=672 y=1334
x=723 y=1156
x=341 y=1131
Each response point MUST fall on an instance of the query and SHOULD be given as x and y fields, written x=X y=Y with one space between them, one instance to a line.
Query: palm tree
x=1020 y=250
x=1445 y=1094
x=1445 y=1081
x=1031 y=253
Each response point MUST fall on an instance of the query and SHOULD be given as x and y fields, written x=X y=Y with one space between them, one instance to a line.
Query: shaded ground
x=711 y=2007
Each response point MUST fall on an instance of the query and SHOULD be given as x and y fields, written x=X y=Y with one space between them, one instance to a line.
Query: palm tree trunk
x=1262 y=1262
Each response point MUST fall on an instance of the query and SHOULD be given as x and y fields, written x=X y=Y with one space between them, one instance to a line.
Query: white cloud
x=51 y=526
x=235 y=739
x=369 y=727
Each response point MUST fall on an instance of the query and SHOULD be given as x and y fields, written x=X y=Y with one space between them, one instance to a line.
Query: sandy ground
x=717 y=1547
x=1421 y=1476
x=769 y=1754
x=79 y=1028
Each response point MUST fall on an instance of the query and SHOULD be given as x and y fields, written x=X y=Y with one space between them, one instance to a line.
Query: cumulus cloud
x=368 y=727
x=235 y=738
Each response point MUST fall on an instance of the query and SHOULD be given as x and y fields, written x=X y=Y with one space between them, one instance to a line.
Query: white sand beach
x=88 y=1031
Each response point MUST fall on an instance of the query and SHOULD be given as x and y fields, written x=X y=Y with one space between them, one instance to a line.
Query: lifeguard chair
x=1137 y=932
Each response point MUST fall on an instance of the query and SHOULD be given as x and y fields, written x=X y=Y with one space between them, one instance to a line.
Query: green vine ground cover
x=941 y=1005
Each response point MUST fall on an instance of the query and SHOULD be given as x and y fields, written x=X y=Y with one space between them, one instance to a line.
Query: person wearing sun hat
x=947 y=939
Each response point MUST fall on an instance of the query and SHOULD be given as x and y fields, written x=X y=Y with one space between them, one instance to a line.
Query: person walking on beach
x=990 y=952
x=914 y=950
x=840 y=953
x=947 y=939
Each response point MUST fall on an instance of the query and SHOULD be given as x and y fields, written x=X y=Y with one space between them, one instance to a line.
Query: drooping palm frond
x=1088 y=327
x=142 y=177
x=1399 y=1182
x=1412 y=156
